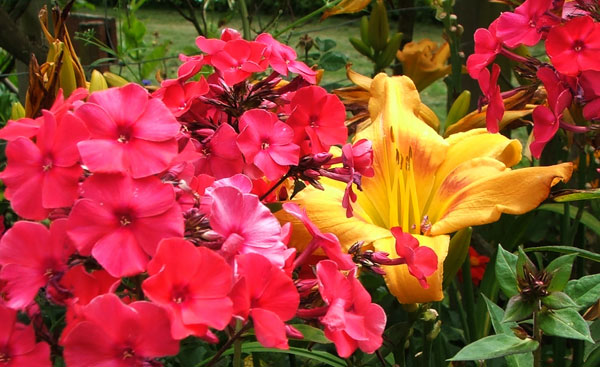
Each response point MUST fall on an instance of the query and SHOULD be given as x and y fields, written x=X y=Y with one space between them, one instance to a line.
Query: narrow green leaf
x=506 y=265
x=584 y=291
x=574 y=195
x=495 y=346
x=517 y=309
x=457 y=253
x=558 y=300
x=560 y=269
x=567 y=250
x=587 y=219
x=566 y=323
x=312 y=334
x=320 y=356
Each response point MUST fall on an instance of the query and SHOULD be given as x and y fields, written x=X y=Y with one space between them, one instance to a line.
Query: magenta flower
x=17 y=343
x=120 y=221
x=318 y=115
x=32 y=256
x=282 y=59
x=220 y=156
x=546 y=120
x=525 y=24
x=178 y=95
x=246 y=226
x=192 y=284
x=44 y=175
x=131 y=132
x=267 y=142
x=266 y=294
x=487 y=47
x=421 y=260
x=351 y=320
x=574 y=46
x=589 y=81
x=489 y=86
x=133 y=335
x=327 y=242
x=238 y=59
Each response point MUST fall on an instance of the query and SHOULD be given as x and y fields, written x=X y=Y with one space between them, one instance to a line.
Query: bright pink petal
x=270 y=330
x=95 y=155
x=124 y=105
x=120 y=254
x=146 y=158
x=156 y=123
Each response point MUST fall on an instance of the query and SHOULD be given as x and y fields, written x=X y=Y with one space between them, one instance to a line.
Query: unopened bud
x=443 y=15
x=461 y=30
x=435 y=331
x=453 y=17
x=292 y=332
x=429 y=315
x=210 y=235
x=453 y=29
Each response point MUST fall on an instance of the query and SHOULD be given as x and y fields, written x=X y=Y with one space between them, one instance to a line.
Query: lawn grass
x=167 y=25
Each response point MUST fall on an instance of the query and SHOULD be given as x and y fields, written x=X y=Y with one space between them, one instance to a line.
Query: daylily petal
x=324 y=209
x=400 y=139
x=402 y=284
x=511 y=192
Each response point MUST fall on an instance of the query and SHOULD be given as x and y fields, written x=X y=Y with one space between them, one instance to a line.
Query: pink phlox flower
x=421 y=260
x=45 y=175
x=574 y=46
x=589 y=83
x=319 y=116
x=351 y=320
x=357 y=158
x=283 y=59
x=246 y=226
x=178 y=95
x=267 y=143
x=120 y=221
x=192 y=284
x=221 y=156
x=491 y=90
x=526 y=24
x=238 y=59
x=546 y=120
x=266 y=294
x=327 y=242
x=83 y=287
x=17 y=343
x=131 y=132
x=487 y=46
x=32 y=256
x=112 y=333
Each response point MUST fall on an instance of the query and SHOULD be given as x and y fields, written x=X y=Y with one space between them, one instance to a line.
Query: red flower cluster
x=157 y=232
x=571 y=31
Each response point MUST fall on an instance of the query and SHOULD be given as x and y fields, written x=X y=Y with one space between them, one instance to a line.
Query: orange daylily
x=424 y=62
x=346 y=7
x=428 y=185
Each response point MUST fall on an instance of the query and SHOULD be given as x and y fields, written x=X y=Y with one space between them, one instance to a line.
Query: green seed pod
x=361 y=47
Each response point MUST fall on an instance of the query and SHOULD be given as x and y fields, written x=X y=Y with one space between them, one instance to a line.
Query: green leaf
x=517 y=309
x=457 y=253
x=495 y=346
x=558 y=300
x=566 y=323
x=496 y=316
x=523 y=260
x=567 y=250
x=312 y=334
x=506 y=265
x=574 y=195
x=587 y=219
x=584 y=291
x=333 y=60
x=560 y=269
x=325 y=45
x=317 y=355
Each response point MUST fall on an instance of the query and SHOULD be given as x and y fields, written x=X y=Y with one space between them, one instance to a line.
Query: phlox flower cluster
x=571 y=34
x=144 y=216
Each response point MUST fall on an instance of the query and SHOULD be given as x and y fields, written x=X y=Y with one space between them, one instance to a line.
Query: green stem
x=245 y=20
x=237 y=346
x=469 y=298
x=307 y=17
x=456 y=302
x=451 y=30
x=427 y=343
x=537 y=335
